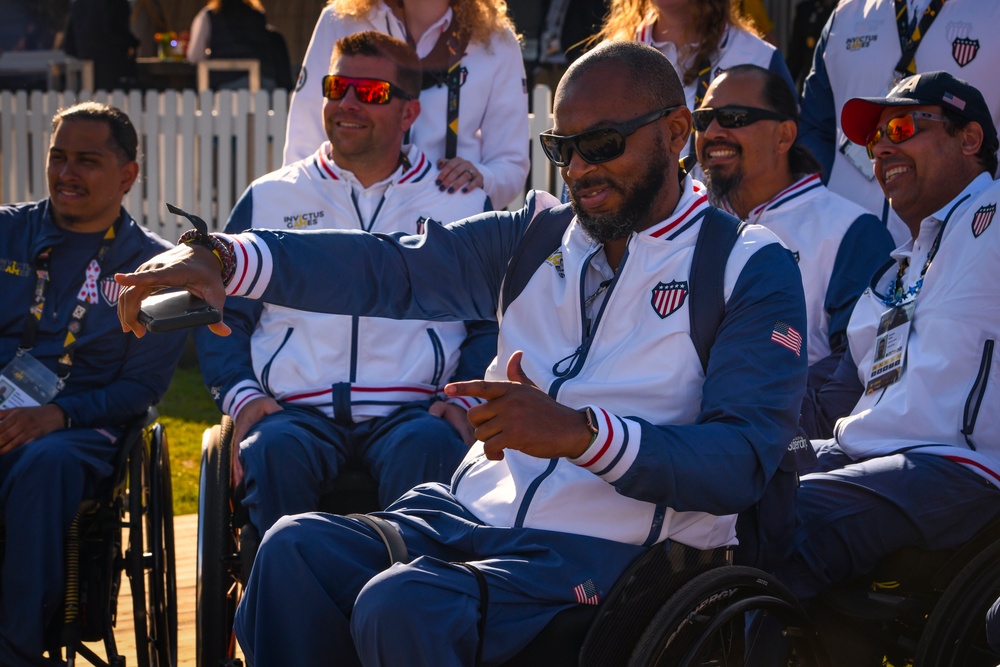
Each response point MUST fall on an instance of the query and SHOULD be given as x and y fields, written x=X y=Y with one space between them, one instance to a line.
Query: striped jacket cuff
x=464 y=402
x=615 y=447
x=242 y=393
x=253 y=265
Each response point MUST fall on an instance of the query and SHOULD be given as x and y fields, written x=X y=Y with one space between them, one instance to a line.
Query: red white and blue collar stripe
x=691 y=207
x=797 y=189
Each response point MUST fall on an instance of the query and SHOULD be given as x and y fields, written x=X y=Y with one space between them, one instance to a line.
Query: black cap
x=860 y=115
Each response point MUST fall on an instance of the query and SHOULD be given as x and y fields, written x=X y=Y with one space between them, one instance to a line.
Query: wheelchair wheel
x=160 y=524
x=704 y=622
x=955 y=634
x=150 y=556
x=219 y=587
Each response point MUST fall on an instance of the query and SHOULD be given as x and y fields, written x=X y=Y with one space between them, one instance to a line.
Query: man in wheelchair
x=71 y=378
x=603 y=432
x=916 y=461
x=308 y=391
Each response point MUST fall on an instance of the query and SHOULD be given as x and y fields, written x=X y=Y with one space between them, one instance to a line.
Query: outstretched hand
x=518 y=415
x=191 y=267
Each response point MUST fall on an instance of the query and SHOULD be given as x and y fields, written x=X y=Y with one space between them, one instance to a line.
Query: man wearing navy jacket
x=59 y=433
x=602 y=433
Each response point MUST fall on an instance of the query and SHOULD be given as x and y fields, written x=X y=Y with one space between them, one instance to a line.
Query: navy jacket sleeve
x=863 y=250
x=227 y=361
x=750 y=402
x=473 y=253
x=836 y=398
x=477 y=351
x=818 y=123
x=480 y=344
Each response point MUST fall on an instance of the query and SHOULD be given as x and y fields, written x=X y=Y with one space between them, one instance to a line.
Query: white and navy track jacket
x=346 y=366
x=493 y=103
x=737 y=47
x=855 y=57
x=947 y=401
x=838 y=246
x=679 y=451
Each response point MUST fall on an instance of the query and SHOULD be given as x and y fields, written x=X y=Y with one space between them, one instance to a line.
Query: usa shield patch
x=668 y=297
x=982 y=219
x=110 y=290
x=964 y=50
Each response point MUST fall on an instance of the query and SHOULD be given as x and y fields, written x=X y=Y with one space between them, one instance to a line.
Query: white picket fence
x=199 y=151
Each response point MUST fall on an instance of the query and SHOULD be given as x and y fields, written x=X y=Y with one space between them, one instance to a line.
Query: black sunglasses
x=732 y=117
x=598 y=145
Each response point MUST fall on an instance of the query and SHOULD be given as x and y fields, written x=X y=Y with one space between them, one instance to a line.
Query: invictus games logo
x=303 y=220
x=860 y=42
x=556 y=260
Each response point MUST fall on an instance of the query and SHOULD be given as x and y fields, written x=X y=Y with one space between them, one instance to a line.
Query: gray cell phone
x=170 y=311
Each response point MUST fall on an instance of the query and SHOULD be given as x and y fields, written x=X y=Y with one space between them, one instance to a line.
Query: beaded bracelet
x=222 y=250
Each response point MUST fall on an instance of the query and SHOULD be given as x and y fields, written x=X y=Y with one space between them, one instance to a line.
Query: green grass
x=185 y=412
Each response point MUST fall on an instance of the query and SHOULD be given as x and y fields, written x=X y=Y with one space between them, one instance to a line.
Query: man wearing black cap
x=916 y=462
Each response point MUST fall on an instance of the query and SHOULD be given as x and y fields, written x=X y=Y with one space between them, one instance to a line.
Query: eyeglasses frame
x=876 y=136
x=394 y=90
x=754 y=115
x=625 y=129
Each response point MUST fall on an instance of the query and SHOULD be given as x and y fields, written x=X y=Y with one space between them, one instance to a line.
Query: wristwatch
x=592 y=424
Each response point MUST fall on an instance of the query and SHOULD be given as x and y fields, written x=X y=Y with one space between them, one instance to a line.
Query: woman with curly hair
x=474 y=104
x=702 y=38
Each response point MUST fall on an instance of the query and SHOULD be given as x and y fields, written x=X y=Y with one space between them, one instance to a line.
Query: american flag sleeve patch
x=586 y=593
x=786 y=335
x=253 y=265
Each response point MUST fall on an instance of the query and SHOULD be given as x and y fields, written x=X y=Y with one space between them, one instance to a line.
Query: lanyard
x=443 y=66
x=909 y=41
x=86 y=297
x=896 y=295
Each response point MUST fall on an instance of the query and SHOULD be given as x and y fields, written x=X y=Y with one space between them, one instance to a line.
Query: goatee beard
x=723 y=191
x=638 y=197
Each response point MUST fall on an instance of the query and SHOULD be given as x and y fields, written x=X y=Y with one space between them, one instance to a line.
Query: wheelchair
x=137 y=496
x=923 y=608
x=675 y=606
x=227 y=541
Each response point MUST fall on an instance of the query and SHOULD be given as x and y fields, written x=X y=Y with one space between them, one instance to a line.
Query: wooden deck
x=186 y=554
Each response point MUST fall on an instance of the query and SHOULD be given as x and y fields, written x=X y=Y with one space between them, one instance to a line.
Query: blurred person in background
x=98 y=30
x=474 y=101
x=701 y=38
x=238 y=29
